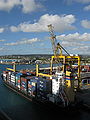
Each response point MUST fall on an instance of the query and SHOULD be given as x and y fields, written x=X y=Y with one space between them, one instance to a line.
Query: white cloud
x=7 y=5
x=2 y=49
x=2 y=30
x=75 y=37
x=24 y=41
x=26 y=5
x=14 y=29
x=2 y=40
x=85 y=24
x=70 y=44
x=83 y=1
x=76 y=42
x=30 y=6
x=87 y=8
x=79 y=1
x=60 y=23
x=82 y=49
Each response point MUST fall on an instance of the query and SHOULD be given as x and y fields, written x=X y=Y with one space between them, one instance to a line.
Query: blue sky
x=23 y=26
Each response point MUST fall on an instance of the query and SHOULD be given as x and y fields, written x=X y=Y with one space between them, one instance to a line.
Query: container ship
x=41 y=87
x=55 y=85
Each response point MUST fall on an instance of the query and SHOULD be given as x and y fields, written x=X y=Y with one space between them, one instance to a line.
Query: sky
x=23 y=26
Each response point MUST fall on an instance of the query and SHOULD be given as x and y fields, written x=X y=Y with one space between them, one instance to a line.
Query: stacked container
x=24 y=85
x=13 y=78
x=32 y=86
x=5 y=74
x=9 y=77
x=57 y=82
x=43 y=88
x=18 y=77
x=55 y=86
x=25 y=73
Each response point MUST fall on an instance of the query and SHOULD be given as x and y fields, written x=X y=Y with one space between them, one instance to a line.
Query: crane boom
x=53 y=38
x=57 y=48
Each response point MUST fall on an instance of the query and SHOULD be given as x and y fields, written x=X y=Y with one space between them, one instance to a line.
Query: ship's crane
x=67 y=84
x=57 y=48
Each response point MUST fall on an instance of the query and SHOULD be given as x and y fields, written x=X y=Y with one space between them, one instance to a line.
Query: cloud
x=14 y=29
x=27 y=6
x=60 y=23
x=70 y=44
x=82 y=1
x=76 y=42
x=85 y=24
x=2 y=30
x=75 y=37
x=82 y=49
x=30 y=6
x=24 y=41
x=79 y=1
x=2 y=40
x=2 y=49
x=87 y=8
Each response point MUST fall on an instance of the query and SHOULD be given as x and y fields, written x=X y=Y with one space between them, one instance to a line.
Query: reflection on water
x=18 y=108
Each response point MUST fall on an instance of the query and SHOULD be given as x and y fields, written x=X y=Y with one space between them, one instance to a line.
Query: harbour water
x=18 y=108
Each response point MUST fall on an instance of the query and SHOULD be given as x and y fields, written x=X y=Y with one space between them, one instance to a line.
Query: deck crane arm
x=53 y=38
x=57 y=48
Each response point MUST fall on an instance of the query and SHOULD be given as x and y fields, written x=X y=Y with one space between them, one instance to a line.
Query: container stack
x=25 y=73
x=55 y=86
x=32 y=86
x=43 y=88
x=24 y=85
x=9 y=77
x=13 y=78
x=5 y=74
x=18 y=76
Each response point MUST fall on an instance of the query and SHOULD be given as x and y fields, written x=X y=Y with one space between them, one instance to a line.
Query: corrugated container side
x=43 y=87
x=32 y=87
x=5 y=76
x=13 y=83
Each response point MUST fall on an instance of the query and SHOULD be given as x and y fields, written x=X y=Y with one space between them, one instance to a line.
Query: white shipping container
x=12 y=80
x=18 y=86
x=55 y=86
x=4 y=74
x=4 y=78
x=12 y=76
x=9 y=73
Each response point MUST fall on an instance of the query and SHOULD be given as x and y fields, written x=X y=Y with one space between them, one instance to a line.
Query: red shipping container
x=18 y=81
x=23 y=79
x=6 y=72
x=22 y=88
x=87 y=67
x=30 y=86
